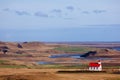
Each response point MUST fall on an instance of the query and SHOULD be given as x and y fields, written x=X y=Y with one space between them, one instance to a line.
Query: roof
x=94 y=65
x=99 y=61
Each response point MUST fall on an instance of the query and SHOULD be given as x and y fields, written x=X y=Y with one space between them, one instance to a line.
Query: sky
x=59 y=20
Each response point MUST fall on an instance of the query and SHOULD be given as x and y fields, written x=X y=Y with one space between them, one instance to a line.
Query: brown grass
x=33 y=52
x=35 y=76
x=50 y=74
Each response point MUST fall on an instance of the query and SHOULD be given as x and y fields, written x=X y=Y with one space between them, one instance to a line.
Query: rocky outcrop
x=90 y=53
x=4 y=49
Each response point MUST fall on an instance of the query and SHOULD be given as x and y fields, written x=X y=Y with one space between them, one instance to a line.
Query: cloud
x=79 y=8
x=6 y=9
x=70 y=8
x=68 y=18
x=99 y=11
x=86 y=12
x=18 y=12
x=22 y=12
x=40 y=14
x=57 y=12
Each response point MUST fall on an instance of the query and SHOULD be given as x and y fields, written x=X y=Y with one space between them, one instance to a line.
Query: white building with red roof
x=93 y=66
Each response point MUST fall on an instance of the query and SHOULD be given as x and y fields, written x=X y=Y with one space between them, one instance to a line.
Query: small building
x=95 y=66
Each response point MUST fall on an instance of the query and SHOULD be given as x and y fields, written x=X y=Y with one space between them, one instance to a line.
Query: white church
x=93 y=66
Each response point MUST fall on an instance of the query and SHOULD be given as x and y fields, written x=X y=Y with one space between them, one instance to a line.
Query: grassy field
x=50 y=74
x=8 y=64
x=15 y=66
x=58 y=66
x=74 y=49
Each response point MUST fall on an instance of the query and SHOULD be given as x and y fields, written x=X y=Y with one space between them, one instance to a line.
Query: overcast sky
x=59 y=20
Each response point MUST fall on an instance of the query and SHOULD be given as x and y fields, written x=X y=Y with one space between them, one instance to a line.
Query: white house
x=95 y=66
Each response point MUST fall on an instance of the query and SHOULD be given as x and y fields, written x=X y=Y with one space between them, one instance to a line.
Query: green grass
x=74 y=49
x=13 y=66
x=5 y=64
x=111 y=67
x=72 y=66
x=3 y=61
x=58 y=66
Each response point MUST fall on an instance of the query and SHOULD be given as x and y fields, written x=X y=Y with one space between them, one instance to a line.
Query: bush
x=19 y=46
x=4 y=51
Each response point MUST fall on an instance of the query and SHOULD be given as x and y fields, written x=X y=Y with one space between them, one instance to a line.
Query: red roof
x=94 y=65
x=98 y=60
